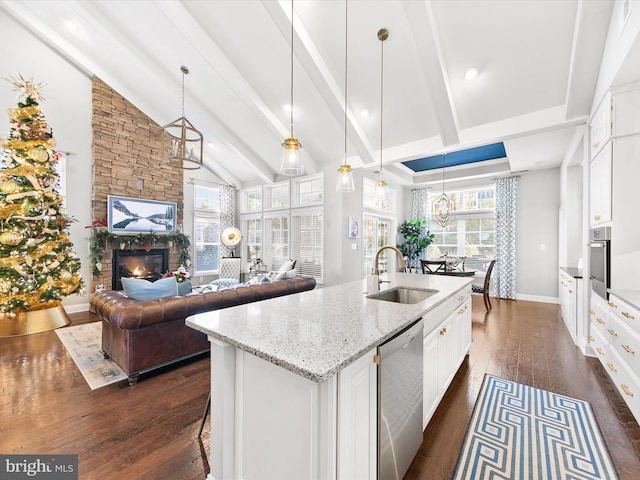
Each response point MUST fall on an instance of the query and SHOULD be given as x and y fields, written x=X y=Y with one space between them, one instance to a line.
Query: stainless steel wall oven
x=599 y=260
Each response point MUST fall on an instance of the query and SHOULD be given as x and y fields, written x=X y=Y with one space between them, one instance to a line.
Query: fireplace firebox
x=149 y=265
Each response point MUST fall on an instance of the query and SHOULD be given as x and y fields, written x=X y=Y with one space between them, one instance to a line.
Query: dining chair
x=433 y=266
x=484 y=289
x=230 y=267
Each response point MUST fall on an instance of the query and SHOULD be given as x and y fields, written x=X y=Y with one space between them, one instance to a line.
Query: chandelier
x=181 y=141
x=443 y=204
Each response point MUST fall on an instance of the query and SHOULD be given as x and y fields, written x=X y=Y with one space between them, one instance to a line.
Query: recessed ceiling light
x=471 y=73
x=211 y=145
x=364 y=113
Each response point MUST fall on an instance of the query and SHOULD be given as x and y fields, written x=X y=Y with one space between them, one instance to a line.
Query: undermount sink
x=403 y=295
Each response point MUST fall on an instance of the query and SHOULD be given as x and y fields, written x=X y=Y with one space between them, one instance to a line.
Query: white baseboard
x=79 y=307
x=538 y=298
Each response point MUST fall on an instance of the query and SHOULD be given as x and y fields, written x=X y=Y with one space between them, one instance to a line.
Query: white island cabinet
x=294 y=379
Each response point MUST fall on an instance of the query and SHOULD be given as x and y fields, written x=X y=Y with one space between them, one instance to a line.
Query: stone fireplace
x=149 y=265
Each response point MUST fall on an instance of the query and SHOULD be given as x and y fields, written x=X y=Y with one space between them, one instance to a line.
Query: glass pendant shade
x=181 y=141
x=382 y=193
x=345 y=181
x=291 y=163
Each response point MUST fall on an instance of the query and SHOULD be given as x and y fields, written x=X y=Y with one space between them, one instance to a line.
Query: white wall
x=67 y=108
x=537 y=226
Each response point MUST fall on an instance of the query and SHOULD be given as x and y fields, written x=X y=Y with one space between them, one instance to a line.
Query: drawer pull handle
x=599 y=320
x=625 y=389
x=596 y=143
x=612 y=332
x=591 y=339
x=628 y=315
x=443 y=331
x=596 y=217
x=591 y=312
x=570 y=291
x=628 y=350
x=611 y=367
x=612 y=305
x=599 y=350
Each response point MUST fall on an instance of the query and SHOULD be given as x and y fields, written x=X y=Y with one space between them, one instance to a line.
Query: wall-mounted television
x=135 y=215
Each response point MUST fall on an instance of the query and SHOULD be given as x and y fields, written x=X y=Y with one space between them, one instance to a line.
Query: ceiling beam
x=318 y=71
x=589 y=37
x=434 y=69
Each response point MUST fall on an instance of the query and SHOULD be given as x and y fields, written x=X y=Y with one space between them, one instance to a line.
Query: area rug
x=521 y=432
x=84 y=344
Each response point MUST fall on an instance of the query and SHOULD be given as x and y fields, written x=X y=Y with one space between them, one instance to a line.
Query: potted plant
x=416 y=239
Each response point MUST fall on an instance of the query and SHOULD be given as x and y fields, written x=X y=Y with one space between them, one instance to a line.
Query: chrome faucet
x=401 y=263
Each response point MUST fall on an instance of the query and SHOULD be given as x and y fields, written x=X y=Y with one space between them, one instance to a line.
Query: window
x=251 y=200
x=276 y=241
x=377 y=232
x=307 y=242
x=277 y=195
x=252 y=229
x=289 y=224
x=206 y=229
x=308 y=190
x=471 y=232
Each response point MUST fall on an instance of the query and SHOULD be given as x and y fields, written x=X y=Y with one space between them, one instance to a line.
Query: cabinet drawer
x=600 y=346
x=624 y=312
x=626 y=382
x=627 y=343
x=598 y=321
x=442 y=311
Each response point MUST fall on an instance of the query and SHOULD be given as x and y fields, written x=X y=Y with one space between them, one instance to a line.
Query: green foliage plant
x=416 y=239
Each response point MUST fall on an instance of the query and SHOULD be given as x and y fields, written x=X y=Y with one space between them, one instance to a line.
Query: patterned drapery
x=228 y=197
x=505 y=248
x=420 y=204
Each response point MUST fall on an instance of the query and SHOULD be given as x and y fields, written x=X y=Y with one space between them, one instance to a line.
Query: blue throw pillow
x=140 y=289
x=184 y=287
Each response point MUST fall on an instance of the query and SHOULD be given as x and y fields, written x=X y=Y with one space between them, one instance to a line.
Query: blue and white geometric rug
x=521 y=432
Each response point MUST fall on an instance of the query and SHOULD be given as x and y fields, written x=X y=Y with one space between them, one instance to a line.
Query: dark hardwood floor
x=150 y=430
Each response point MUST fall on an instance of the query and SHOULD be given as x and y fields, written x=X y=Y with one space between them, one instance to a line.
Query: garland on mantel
x=100 y=236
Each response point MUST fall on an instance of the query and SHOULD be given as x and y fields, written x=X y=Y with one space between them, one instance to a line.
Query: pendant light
x=382 y=192
x=443 y=203
x=181 y=141
x=345 y=172
x=291 y=163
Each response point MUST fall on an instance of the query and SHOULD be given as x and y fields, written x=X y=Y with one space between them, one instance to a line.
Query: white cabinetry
x=444 y=349
x=357 y=419
x=600 y=125
x=615 y=337
x=600 y=186
x=571 y=292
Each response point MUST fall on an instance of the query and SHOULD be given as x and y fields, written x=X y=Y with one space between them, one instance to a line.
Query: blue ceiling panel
x=461 y=157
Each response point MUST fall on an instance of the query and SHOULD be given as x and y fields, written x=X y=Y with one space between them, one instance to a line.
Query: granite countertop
x=632 y=297
x=317 y=333
x=573 y=271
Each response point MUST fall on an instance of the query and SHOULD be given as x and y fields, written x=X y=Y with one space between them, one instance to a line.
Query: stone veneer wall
x=126 y=149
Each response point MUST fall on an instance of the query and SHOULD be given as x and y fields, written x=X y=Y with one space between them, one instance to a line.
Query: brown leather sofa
x=143 y=335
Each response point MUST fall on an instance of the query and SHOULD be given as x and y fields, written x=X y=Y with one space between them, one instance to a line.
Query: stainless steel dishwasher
x=400 y=402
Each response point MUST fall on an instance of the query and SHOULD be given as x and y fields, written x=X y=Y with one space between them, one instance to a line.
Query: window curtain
x=420 y=204
x=505 y=248
x=228 y=198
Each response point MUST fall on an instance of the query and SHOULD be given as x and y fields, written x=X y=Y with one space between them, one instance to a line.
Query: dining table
x=454 y=273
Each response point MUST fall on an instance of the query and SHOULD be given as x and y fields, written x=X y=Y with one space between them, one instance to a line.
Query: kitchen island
x=293 y=379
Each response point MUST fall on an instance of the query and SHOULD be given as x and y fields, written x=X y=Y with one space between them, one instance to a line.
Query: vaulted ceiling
x=537 y=60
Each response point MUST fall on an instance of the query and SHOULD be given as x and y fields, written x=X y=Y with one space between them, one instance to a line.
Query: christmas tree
x=37 y=265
